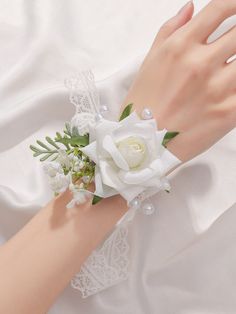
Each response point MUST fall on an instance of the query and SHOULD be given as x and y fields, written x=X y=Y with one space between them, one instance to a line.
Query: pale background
x=183 y=257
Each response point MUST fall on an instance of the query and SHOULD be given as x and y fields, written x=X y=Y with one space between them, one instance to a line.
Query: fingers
x=225 y=46
x=183 y=16
x=208 y=19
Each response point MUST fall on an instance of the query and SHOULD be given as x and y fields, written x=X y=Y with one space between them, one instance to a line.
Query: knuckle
x=174 y=47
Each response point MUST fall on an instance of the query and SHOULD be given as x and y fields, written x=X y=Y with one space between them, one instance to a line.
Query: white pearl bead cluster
x=146 y=207
x=146 y=113
x=103 y=109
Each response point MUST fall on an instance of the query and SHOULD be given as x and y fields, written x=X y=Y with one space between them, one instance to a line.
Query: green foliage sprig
x=70 y=139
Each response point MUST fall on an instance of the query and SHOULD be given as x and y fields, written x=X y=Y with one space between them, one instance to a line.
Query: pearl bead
x=148 y=209
x=135 y=203
x=98 y=117
x=103 y=109
x=146 y=114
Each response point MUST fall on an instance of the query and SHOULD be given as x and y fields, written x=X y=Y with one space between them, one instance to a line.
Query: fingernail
x=185 y=6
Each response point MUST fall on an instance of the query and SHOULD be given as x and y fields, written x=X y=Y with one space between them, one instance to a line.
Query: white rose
x=129 y=157
x=134 y=151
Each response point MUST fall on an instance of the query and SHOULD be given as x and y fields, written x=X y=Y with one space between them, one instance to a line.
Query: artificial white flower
x=80 y=195
x=51 y=168
x=59 y=183
x=129 y=157
x=81 y=121
x=64 y=159
x=79 y=164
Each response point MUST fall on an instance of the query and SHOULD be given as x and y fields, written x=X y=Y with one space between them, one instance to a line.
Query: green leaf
x=80 y=140
x=58 y=135
x=126 y=112
x=67 y=129
x=36 y=154
x=75 y=131
x=169 y=136
x=74 y=140
x=38 y=151
x=45 y=157
x=96 y=199
x=50 y=141
x=34 y=148
x=42 y=145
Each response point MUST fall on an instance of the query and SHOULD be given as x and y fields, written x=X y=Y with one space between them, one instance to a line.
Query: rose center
x=133 y=149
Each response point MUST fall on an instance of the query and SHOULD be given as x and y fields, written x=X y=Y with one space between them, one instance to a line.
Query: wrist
x=91 y=223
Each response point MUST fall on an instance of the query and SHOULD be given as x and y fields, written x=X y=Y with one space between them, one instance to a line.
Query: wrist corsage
x=126 y=157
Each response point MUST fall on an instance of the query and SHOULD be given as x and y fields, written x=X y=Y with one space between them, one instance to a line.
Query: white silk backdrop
x=183 y=257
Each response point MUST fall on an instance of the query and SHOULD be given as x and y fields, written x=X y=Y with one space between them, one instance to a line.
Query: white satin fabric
x=183 y=257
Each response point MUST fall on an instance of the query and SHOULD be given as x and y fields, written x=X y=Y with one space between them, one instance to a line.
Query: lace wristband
x=127 y=157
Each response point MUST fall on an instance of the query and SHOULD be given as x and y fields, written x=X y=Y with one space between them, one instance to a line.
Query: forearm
x=39 y=261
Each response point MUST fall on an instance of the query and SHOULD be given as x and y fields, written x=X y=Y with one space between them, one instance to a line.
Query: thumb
x=183 y=16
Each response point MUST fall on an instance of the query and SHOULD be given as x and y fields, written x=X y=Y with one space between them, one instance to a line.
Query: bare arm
x=39 y=261
x=196 y=98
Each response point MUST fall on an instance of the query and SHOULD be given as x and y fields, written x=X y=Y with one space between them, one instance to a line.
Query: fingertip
x=186 y=12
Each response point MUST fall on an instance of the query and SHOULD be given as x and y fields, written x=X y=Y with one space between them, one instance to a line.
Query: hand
x=187 y=83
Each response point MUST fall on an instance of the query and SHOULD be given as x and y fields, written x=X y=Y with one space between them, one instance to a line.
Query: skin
x=187 y=83
x=190 y=88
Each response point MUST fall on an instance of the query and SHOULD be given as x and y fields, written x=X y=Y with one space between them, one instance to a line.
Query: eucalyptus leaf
x=169 y=136
x=68 y=129
x=34 y=148
x=36 y=154
x=45 y=157
x=75 y=131
x=58 y=135
x=42 y=145
x=96 y=199
x=74 y=140
x=50 y=141
x=126 y=112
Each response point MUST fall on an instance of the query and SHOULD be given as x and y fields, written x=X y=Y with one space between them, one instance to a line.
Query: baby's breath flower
x=80 y=196
x=59 y=183
x=64 y=159
x=52 y=168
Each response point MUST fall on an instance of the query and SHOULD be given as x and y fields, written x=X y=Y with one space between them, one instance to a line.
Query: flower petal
x=132 y=118
x=102 y=190
x=105 y=127
x=169 y=161
x=130 y=192
x=139 y=130
x=91 y=151
x=151 y=122
x=159 y=138
x=111 y=148
x=136 y=177
x=109 y=175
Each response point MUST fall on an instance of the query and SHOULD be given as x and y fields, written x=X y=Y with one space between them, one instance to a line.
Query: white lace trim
x=106 y=266
x=84 y=96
